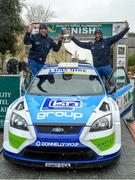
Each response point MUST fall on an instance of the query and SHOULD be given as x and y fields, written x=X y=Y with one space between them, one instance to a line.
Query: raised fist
x=30 y=28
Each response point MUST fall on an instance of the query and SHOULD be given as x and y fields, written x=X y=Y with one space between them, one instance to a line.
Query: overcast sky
x=91 y=10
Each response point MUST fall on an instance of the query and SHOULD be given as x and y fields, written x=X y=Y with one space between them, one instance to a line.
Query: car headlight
x=18 y=122
x=102 y=123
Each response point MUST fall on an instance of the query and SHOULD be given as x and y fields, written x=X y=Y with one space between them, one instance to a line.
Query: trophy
x=66 y=35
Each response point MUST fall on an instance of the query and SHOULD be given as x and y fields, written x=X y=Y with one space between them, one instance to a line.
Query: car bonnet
x=61 y=109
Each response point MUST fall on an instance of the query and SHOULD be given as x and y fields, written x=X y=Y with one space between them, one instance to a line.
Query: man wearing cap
x=100 y=49
x=41 y=44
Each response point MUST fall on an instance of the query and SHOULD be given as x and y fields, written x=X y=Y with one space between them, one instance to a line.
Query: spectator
x=12 y=66
x=22 y=66
x=130 y=76
x=1 y=72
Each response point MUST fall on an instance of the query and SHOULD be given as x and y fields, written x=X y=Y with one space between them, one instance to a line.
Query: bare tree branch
x=36 y=14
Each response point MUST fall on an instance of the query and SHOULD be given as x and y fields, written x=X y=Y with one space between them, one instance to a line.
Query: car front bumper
x=95 y=161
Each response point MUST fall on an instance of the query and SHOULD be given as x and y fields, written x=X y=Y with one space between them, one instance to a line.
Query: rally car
x=68 y=118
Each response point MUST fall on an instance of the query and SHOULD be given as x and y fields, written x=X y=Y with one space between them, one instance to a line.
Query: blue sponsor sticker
x=60 y=104
x=62 y=71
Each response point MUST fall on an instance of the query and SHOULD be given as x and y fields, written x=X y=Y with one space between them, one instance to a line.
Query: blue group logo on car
x=60 y=104
x=60 y=107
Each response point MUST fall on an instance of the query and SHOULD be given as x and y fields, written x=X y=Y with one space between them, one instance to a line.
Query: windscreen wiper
x=40 y=87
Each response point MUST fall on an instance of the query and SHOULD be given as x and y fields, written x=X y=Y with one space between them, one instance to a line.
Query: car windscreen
x=66 y=85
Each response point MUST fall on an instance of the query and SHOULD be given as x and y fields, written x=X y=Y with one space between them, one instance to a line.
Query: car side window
x=119 y=78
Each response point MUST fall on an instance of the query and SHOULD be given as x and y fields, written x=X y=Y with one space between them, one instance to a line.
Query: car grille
x=58 y=129
x=58 y=154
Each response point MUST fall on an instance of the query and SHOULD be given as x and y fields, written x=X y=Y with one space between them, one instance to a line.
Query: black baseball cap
x=98 y=31
x=43 y=26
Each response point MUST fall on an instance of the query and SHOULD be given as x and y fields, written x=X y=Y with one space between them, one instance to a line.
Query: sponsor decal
x=62 y=71
x=59 y=108
x=58 y=165
x=16 y=141
x=60 y=104
x=86 y=73
x=119 y=102
x=104 y=143
x=127 y=98
x=59 y=114
x=57 y=144
x=124 y=101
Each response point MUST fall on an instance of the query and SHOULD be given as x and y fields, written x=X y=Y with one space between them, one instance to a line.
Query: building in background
x=131 y=44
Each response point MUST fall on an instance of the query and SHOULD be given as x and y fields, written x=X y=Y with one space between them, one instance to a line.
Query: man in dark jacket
x=41 y=44
x=100 y=50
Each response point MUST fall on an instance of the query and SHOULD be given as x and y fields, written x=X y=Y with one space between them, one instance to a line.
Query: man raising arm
x=100 y=50
x=41 y=44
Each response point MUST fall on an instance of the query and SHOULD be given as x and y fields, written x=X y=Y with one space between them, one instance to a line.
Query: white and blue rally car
x=68 y=118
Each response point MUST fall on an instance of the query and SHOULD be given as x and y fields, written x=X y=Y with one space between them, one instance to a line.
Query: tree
x=131 y=60
x=11 y=25
x=36 y=14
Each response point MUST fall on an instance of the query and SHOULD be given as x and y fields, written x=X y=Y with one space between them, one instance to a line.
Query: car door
x=123 y=93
